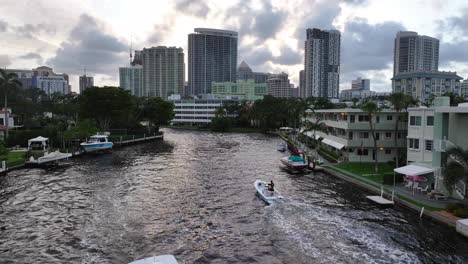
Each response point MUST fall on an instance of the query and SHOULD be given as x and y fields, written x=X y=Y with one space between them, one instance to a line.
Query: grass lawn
x=14 y=158
x=366 y=169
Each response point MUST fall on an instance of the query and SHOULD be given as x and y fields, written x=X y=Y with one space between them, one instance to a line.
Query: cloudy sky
x=95 y=34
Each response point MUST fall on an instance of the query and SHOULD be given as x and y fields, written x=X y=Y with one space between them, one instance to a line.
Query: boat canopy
x=296 y=159
x=38 y=139
x=99 y=136
x=413 y=170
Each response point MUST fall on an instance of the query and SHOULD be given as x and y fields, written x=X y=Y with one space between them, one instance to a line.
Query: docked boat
x=281 y=147
x=267 y=196
x=97 y=143
x=52 y=157
x=294 y=162
x=163 y=259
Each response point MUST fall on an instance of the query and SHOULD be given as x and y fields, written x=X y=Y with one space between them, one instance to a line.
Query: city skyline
x=97 y=36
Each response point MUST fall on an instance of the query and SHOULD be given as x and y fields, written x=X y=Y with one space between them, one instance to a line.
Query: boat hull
x=265 y=195
x=96 y=147
x=293 y=165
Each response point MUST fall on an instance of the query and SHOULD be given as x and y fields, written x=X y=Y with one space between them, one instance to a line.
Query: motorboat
x=281 y=147
x=52 y=157
x=163 y=259
x=97 y=143
x=294 y=162
x=266 y=195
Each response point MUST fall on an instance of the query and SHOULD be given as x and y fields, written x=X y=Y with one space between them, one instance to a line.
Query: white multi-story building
x=464 y=88
x=278 y=85
x=131 y=79
x=195 y=112
x=322 y=63
x=350 y=136
x=422 y=84
x=163 y=71
x=431 y=131
x=413 y=52
x=51 y=84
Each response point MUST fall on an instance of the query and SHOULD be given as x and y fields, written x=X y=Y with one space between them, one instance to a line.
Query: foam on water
x=334 y=236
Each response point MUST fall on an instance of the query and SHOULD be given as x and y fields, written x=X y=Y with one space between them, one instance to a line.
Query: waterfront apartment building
x=131 y=79
x=212 y=57
x=85 y=82
x=163 y=71
x=195 y=112
x=43 y=78
x=278 y=85
x=24 y=76
x=241 y=90
x=349 y=134
x=322 y=63
x=360 y=84
x=413 y=52
x=302 y=92
x=422 y=84
x=431 y=131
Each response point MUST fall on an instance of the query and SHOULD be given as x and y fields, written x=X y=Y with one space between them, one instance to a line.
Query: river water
x=192 y=196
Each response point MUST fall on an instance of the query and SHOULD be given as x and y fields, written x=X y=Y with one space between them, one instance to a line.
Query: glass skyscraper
x=212 y=57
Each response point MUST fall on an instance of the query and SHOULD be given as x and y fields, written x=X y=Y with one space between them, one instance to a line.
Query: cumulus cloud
x=193 y=7
x=260 y=24
x=29 y=30
x=366 y=46
x=4 y=61
x=455 y=24
x=3 y=26
x=288 y=57
x=32 y=56
x=90 y=46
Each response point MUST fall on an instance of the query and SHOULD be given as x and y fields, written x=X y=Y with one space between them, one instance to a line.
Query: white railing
x=442 y=145
x=460 y=188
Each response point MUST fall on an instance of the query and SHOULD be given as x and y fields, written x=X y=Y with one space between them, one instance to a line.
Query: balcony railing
x=442 y=145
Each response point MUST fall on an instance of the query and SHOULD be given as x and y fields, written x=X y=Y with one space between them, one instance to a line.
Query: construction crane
x=84 y=70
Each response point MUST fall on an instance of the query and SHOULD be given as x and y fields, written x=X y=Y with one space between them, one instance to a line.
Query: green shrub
x=452 y=207
x=461 y=212
x=326 y=156
x=220 y=124
x=3 y=149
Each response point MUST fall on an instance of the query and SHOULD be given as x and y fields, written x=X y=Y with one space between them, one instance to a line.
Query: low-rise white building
x=350 y=136
x=431 y=132
x=195 y=111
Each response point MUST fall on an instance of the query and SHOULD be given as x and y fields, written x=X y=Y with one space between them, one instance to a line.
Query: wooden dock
x=122 y=143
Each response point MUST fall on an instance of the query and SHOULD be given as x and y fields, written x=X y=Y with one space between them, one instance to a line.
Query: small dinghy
x=266 y=195
x=281 y=147
x=163 y=259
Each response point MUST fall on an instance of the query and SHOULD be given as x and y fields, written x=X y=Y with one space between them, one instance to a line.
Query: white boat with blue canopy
x=97 y=143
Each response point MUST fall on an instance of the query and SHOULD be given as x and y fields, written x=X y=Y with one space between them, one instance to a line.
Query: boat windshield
x=97 y=139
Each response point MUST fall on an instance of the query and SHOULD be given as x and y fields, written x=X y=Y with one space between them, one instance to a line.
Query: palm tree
x=456 y=167
x=8 y=81
x=400 y=102
x=371 y=109
x=318 y=125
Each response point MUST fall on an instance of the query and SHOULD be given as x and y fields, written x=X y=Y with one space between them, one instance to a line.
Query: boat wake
x=336 y=236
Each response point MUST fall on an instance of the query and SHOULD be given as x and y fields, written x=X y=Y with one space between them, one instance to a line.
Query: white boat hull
x=293 y=165
x=267 y=196
x=96 y=147
x=163 y=259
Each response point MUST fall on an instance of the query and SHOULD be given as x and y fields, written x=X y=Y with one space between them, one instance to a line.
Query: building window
x=364 y=134
x=388 y=151
x=430 y=121
x=363 y=152
x=389 y=117
x=350 y=135
x=413 y=143
x=377 y=136
x=363 y=118
x=415 y=121
x=352 y=119
x=377 y=119
x=429 y=145
x=388 y=134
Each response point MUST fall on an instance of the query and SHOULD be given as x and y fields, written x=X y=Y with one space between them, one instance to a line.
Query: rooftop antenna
x=131 y=44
